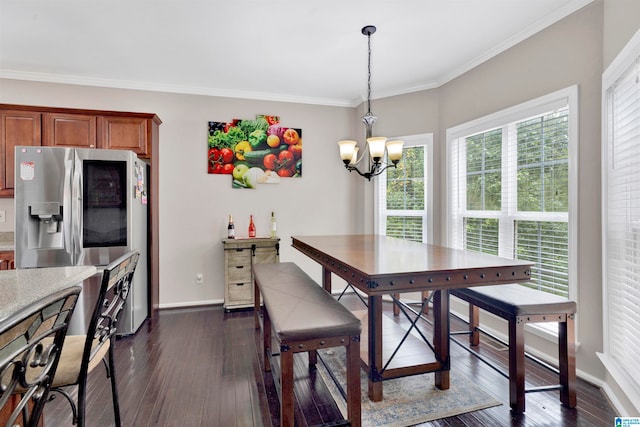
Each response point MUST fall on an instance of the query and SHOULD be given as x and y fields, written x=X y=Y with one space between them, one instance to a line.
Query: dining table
x=377 y=266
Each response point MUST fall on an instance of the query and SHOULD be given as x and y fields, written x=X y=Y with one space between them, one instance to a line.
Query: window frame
x=629 y=56
x=380 y=194
x=455 y=186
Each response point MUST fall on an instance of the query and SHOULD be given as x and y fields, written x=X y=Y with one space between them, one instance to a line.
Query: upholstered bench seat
x=520 y=305
x=304 y=318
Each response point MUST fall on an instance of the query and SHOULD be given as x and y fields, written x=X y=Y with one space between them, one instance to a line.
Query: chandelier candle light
x=375 y=144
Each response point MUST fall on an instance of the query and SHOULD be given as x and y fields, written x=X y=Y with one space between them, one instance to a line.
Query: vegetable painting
x=254 y=151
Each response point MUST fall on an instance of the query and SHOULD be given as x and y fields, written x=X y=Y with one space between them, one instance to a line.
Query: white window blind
x=403 y=193
x=621 y=220
x=509 y=187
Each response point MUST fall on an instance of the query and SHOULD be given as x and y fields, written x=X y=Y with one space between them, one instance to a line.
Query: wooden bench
x=520 y=305
x=304 y=318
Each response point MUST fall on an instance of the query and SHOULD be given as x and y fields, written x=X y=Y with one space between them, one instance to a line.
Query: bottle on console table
x=252 y=227
x=231 y=229
x=273 y=225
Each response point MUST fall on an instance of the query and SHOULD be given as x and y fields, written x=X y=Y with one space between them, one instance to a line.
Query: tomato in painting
x=227 y=168
x=217 y=168
x=227 y=155
x=296 y=150
x=272 y=119
x=270 y=161
x=291 y=136
x=286 y=159
x=285 y=172
x=214 y=154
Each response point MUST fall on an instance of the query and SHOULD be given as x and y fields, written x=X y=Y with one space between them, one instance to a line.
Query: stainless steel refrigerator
x=77 y=206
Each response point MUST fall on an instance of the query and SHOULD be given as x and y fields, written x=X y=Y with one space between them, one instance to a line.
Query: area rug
x=406 y=401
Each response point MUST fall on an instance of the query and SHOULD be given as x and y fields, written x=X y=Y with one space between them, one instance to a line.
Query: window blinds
x=404 y=198
x=510 y=185
x=621 y=216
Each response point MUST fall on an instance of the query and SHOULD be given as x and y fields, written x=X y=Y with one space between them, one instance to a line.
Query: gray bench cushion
x=510 y=301
x=299 y=309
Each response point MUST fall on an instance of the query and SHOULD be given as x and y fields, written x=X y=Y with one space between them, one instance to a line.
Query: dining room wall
x=194 y=206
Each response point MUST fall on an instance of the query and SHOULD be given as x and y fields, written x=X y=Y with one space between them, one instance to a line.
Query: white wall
x=194 y=206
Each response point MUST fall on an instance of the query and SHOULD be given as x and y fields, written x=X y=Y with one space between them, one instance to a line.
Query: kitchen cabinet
x=65 y=127
x=69 y=130
x=16 y=128
x=125 y=133
x=239 y=257
x=96 y=131
x=6 y=260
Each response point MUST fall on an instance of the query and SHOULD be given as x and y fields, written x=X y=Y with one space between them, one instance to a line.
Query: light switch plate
x=3 y=216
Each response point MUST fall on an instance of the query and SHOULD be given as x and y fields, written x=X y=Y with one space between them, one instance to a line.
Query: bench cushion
x=299 y=308
x=514 y=300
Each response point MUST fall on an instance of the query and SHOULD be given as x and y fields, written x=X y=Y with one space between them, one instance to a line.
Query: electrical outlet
x=3 y=216
x=199 y=278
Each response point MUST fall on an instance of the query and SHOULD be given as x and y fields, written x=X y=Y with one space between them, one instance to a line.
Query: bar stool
x=82 y=353
x=30 y=343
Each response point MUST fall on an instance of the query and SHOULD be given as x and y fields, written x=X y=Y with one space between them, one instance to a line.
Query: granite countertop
x=19 y=288
x=6 y=241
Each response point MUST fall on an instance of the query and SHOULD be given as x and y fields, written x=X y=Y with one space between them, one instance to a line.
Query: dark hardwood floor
x=202 y=367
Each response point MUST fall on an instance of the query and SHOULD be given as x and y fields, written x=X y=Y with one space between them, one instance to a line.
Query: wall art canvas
x=253 y=152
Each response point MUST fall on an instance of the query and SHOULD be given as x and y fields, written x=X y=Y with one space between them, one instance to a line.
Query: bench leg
x=396 y=309
x=474 y=324
x=425 y=295
x=567 y=358
x=516 y=365
x=354 y=398
x=286 y=384
x=256 y=306
x=313 y=358
x=266 y=337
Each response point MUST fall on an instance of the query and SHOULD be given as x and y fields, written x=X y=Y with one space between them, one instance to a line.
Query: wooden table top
x=383 y=259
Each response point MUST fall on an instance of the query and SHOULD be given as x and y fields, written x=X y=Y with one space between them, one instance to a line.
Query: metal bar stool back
x=82 y=353
x=30 y=343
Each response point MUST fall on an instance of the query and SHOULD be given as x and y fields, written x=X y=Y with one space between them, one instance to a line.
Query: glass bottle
x=273 y=225
x=252 y=227
x=231 y=229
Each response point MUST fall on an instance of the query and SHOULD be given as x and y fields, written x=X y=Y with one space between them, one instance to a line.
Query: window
x=621 y=219
x=403 y=193
x=509 y=188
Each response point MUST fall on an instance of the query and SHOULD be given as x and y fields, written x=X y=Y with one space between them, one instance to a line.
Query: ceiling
x=282 y=50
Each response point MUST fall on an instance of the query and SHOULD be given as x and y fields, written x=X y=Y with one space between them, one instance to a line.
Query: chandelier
x=375 y=144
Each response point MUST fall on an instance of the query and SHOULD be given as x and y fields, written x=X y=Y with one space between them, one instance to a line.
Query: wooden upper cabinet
x=70 y=127
x=16 y=128
x=125 y=133
x=69 y=130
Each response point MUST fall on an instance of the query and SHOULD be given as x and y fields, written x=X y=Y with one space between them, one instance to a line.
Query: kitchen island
x=19 y=288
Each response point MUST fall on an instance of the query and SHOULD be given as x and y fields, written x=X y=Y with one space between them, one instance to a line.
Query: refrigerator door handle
x=76 y=190
x=67 y=223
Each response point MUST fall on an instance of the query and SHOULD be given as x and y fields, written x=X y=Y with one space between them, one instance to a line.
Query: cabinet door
x=124 y=133
x=69 y=130
x=16 y=128
x=265 y=256
x=6 y=260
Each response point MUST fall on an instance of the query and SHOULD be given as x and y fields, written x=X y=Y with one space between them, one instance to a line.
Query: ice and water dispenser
x=45 y=228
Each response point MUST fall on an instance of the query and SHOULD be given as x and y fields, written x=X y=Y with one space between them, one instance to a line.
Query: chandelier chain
x=369 y=76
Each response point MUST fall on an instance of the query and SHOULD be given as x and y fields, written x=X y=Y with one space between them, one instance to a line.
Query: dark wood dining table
x=379 y=265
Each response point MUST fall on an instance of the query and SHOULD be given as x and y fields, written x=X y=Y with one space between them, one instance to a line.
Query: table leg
x=326 y=279
x=441 y=336
x=375 y=347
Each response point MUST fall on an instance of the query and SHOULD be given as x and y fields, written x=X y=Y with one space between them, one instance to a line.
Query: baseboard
x=191 y=304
